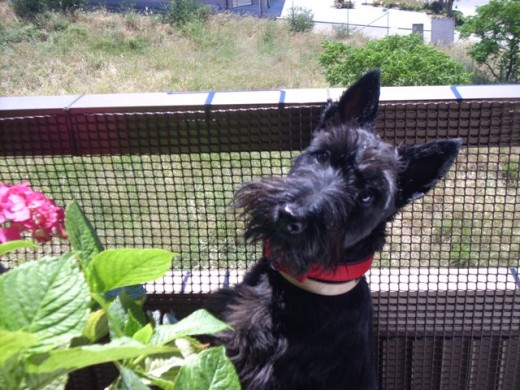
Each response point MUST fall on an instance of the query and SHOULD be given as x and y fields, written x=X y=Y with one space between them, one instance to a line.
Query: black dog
x=302 y=317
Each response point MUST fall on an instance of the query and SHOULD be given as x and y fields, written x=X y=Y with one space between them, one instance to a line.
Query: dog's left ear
x=423 y=166
x=358 y=104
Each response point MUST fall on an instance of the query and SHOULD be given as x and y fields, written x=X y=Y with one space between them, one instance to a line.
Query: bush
x=19 y=33
x=412 y=6
x=31 y=8
x=181 y=12
x=344 y=4
x=301 y=19
x=341 y=31
x=403 y=60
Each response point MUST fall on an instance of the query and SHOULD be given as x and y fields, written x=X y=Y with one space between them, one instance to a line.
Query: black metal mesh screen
x=445 y=293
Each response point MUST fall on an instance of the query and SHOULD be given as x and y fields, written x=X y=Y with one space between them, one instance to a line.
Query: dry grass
x=101 y=52
x=471 y=219
x=459 y=52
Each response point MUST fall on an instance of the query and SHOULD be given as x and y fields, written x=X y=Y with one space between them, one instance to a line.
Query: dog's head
x=333 y=205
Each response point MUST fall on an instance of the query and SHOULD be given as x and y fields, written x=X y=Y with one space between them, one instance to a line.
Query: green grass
x=182 y=203
x=510 y=171
x=471 y=219
x=175 y=202
x=469 y=241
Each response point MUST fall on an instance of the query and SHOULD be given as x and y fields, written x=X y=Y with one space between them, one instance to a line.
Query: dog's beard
x=324 y=239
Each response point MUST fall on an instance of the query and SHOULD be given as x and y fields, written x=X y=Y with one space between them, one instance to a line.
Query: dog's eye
x=322 y=157
x=366 y=198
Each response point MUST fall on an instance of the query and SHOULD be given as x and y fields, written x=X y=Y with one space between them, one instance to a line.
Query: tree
x=403 y=60
x=447 y=5
x=497 y=25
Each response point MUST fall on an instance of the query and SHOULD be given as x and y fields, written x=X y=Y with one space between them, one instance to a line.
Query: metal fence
x=159 y=170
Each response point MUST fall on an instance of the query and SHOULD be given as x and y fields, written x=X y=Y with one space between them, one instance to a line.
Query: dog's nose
x=289 y=222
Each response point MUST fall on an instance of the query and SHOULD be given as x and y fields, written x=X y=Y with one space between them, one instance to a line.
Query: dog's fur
x=331 y=209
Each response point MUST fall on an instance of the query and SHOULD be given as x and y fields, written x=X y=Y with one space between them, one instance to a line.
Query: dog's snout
x=289 y=222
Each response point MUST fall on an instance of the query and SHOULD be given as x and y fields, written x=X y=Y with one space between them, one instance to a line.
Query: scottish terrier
x=302 y=317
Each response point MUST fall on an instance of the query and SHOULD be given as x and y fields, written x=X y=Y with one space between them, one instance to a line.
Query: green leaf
x=116 y=268
x=50 y=381
x=48 y=298
x=162 y=372
x=188 y=346
x=197 y=323
x=209 y=370
x=14 y=342
x=159 y=382
x=11 y=246
x=130 y=381
x=116 y=319
x=125 y=316
x=97 y=325
x=82 y=235
x=67 y=360
x=144 y=334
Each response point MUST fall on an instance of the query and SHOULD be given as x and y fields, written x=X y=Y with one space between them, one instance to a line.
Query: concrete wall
x=443 y=31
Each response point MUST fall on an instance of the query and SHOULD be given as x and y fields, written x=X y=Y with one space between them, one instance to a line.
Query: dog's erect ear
x=358 y=104
x=423 y=166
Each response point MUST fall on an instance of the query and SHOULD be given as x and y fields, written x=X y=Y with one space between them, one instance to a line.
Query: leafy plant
x=181 y=12
x=497 y=26
x=341 y=31
x=54 y=309
x=403 y=60
x=301 y=19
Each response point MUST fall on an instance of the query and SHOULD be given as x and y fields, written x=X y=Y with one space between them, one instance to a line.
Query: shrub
x=341 y=31
x=19 y=33
x=344 y=4
x=301 y=19
x=403 y=60
x=412 y=6
x=31 y=8
x=181 y=12
x=391 y=4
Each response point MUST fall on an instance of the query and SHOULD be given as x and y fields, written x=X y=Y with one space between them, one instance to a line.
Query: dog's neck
x=321 y=288
x=320 y=281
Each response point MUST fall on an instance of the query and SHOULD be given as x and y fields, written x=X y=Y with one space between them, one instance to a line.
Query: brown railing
x=159 y=170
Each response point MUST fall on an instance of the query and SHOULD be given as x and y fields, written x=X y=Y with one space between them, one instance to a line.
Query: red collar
x=342 y=273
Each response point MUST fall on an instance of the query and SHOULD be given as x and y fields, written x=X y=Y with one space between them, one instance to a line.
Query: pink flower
x=23 y=209
x=10 y=233
x=14 y=205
